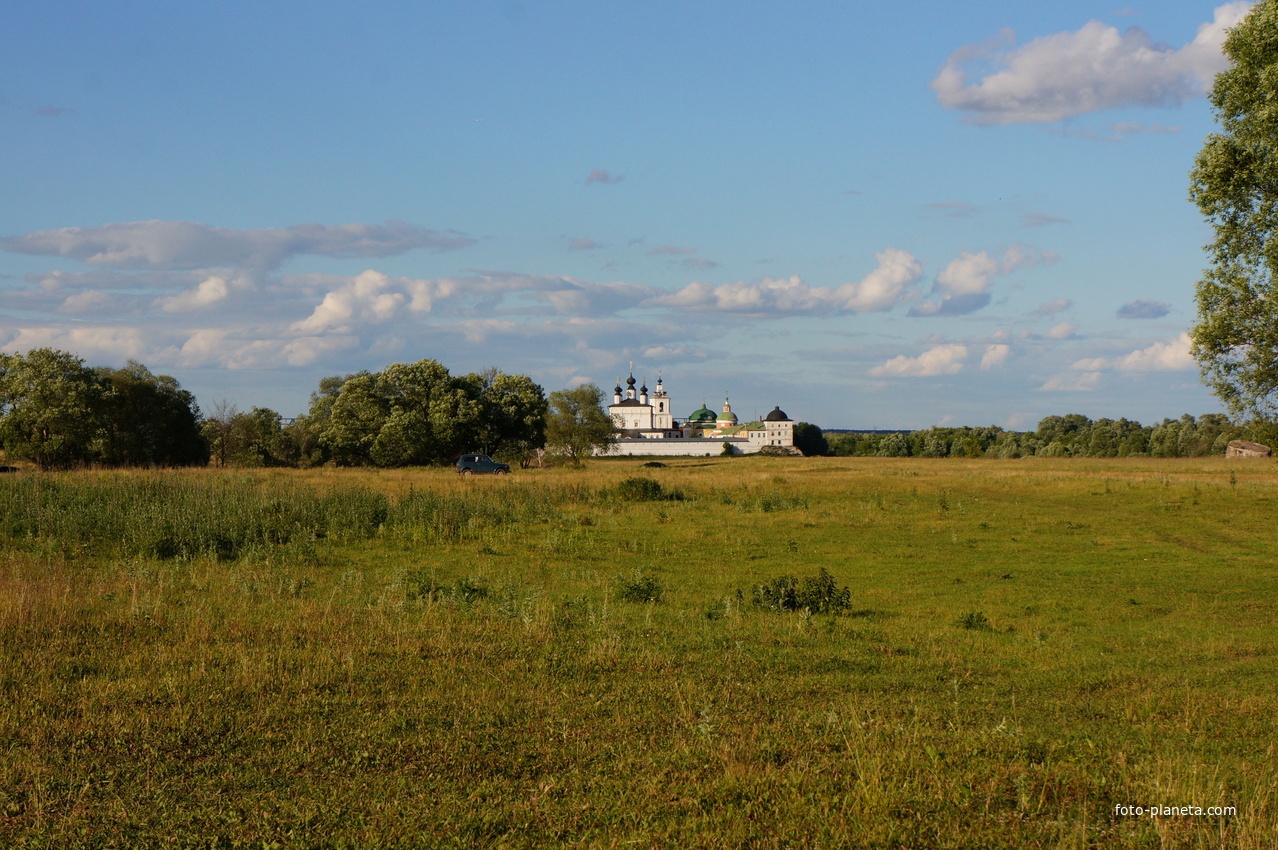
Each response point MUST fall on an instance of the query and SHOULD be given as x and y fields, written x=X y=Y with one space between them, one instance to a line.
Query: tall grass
x=469 y=664
x=170 y=515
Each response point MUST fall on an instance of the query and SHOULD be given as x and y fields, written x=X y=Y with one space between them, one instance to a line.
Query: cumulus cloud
x=962 y=286
x=995 y=356
x=938 y=360
x=370 y=297
x=1169 y=356
x=580 y=243
x=880 y=290
x=91 y=343
x=373 y=298
x=1144 y=308
x=1071 y=73
x=1065 y=330
x=601 y=176
x=169 y=245
x=210 y=291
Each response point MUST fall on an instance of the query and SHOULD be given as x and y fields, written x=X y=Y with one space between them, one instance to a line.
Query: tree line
x=1072 y=435
x=59 y=413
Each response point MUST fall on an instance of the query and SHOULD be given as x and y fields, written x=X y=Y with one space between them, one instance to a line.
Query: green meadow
x=358 y=658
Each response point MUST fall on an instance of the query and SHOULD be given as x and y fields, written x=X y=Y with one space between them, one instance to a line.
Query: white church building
x=647 y=426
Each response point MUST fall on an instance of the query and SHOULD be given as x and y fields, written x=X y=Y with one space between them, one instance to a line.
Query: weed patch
x=818 y=594
x=644 y=490
x=975 y=621
x=642 y=588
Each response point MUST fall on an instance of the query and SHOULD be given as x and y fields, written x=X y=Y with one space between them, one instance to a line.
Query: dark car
x=480 y=465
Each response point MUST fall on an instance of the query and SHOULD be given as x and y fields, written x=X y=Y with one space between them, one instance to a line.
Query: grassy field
x=402 y=659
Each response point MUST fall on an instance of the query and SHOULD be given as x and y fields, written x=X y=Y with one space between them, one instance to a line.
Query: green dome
x=704 y=414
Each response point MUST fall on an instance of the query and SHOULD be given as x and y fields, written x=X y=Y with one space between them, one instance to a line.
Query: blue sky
x=875 y=217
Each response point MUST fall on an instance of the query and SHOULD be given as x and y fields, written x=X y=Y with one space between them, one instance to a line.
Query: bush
x=642 y=589
x=643 y=490
x=975 y=621
x=818 y=594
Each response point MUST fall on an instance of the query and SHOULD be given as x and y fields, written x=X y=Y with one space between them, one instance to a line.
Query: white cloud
x=209 y=292
x=668 y=353
x=1071 y=73
x=995 y=355
x=1169 y=356
x=1065 y=330
x=963 y=285
x=1085 y=382
x=938 y=360
x=304 y=351
x=91 y=343
x=88 y=301
x=189 y=245
x=366 y=298
x=880 y=290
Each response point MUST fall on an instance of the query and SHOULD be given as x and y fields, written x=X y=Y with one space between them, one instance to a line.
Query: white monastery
x=648 y=427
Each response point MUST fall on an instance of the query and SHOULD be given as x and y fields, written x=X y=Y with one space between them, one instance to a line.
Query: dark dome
x=777 y=415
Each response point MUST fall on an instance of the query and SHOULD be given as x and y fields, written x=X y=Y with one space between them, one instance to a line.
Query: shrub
x=818 y=594
x=643 y=490
x=976 y=621
x=642 y=588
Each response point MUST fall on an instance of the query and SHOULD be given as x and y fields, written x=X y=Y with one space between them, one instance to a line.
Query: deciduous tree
x=576 y=424
x=1235 y=184
x=148 y=420
x=50 y=408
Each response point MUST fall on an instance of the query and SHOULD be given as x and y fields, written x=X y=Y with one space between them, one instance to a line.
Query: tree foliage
x=256 y=438
x=810 y=440
x=577 y=425
x=1235 y=184
x=148 y=420
x=52 y=408
x=419 y=414
x=59 y=413
x=1071 y=435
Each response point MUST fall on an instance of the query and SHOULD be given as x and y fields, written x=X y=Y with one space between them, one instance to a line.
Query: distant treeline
x=1073 y=435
